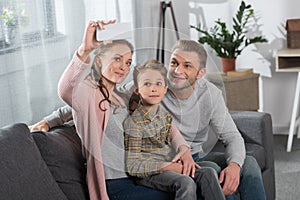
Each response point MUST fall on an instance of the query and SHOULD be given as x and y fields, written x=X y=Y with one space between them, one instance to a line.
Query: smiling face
x=116 y=63
x=184 y=69
x=151 y=87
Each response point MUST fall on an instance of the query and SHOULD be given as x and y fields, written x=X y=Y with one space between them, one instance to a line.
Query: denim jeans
x=126 y=189
x=251 y=184
x=204 y=185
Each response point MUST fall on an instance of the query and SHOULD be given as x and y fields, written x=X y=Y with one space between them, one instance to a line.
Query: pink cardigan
x=84 y=97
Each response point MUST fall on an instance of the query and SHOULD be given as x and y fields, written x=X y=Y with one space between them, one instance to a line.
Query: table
x=288 y=60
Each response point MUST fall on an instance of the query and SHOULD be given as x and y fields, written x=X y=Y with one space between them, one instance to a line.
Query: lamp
x=161 y=32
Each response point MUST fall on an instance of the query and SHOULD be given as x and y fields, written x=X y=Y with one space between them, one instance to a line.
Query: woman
x=99 y=112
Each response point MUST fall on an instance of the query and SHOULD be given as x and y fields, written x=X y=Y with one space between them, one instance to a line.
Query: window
x=30 y=66
x=26 y=21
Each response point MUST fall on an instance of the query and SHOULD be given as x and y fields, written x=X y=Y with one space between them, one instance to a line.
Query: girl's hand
x=174 y=167
x=89 y=42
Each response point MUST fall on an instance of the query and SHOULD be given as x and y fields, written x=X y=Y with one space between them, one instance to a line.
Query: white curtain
x=37 y=40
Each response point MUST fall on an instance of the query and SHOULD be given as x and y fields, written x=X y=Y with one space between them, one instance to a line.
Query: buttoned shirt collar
x=146 y=114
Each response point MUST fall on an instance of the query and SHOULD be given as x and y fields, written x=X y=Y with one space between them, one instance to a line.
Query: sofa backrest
x=23 y=172
x=61 y=150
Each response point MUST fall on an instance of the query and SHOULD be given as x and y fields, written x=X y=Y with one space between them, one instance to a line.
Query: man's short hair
x=192 y=46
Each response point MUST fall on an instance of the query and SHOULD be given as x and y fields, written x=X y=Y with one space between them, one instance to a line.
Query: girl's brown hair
x=150 y=64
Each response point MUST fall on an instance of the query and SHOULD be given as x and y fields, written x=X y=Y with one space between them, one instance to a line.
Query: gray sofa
x=256 y=129
x=50 y=166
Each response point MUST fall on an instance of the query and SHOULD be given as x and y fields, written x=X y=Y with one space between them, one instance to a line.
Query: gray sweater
x=202 y=119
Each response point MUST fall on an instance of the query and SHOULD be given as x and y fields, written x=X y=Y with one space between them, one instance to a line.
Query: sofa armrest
x=256 y=128
x=23 y=172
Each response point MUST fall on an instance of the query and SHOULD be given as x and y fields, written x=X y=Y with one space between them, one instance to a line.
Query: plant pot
x=11 y=34
x=228 y=64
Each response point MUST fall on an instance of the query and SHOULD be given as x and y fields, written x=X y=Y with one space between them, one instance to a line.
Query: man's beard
x=182 y=85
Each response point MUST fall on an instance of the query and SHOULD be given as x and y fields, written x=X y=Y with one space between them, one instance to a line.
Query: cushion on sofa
x=61 y=150
x=258 y=152
x=23 y=172
x=255 y=150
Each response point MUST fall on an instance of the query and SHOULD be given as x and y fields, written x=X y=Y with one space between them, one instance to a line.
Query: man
x=199 y=112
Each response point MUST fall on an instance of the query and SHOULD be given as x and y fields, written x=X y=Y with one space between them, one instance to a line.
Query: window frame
x=48 y=32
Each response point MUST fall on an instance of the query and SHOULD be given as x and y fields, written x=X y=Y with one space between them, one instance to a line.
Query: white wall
x=277 y=89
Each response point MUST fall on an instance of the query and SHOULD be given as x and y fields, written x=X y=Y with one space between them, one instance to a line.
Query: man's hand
x=40 y=126
x=230 y=177
x=185 y=158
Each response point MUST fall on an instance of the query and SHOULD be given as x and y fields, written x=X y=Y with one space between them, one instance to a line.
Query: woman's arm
x=81 y=60
x=70 y=79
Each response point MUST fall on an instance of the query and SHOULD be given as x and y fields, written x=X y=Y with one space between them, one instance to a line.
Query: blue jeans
x=251 y=184
x=126 y=189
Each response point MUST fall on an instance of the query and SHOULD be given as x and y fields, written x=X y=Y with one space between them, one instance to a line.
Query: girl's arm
x=138 y=163
x=177 y=139
x=184 y=155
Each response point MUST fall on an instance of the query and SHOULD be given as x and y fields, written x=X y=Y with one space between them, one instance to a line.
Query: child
x=149 y=144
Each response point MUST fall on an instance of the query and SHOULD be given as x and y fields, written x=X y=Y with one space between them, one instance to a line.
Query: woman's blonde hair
x=96 y=66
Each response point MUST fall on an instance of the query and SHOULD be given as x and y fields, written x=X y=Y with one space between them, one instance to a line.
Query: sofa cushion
x=23 y=172
x=61 y=150
x=250 y=125
x=257 y=151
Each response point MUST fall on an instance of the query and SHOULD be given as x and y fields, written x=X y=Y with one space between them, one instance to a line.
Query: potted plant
x=12 y=16
x=228 y=45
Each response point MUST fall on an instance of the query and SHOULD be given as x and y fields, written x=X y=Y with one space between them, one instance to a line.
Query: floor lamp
x=160 y=52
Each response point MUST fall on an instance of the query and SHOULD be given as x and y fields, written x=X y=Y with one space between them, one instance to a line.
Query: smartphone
x=115 y=32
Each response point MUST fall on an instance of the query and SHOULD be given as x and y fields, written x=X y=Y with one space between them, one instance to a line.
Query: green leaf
x=230 y=44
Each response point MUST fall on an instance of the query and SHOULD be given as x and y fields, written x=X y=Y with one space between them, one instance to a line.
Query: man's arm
x=226 y=130
x=56 y=118
x=235 y=152
x=59 y=116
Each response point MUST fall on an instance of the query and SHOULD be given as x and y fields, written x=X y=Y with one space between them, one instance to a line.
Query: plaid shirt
x=147 y=141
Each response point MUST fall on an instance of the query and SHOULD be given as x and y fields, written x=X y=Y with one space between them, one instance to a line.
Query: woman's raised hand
x=89 y=42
